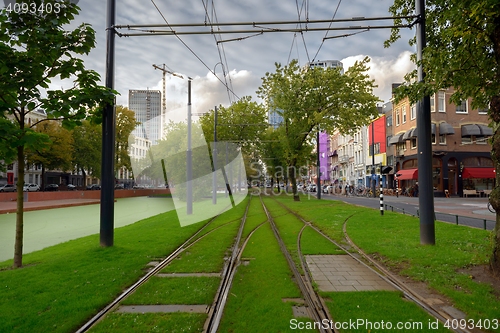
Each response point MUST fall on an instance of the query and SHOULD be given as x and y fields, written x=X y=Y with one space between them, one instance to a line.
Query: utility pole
x=426 y=196
x=108 y=138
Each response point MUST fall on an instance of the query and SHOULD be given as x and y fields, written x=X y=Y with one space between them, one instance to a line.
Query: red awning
x=478 y=173
x=407 y=174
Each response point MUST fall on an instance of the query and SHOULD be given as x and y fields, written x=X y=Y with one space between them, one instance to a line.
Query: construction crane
x=165 y=71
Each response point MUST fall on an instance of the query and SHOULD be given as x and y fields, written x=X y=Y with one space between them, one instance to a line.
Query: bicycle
x=490 y=208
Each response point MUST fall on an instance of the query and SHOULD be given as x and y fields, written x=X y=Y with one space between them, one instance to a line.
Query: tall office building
x=147 y=107
x=327 y=64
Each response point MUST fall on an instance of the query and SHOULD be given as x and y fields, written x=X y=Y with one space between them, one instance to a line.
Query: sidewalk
x=7 y=207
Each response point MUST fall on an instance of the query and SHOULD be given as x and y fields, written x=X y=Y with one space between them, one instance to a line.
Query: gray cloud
x=248 y=59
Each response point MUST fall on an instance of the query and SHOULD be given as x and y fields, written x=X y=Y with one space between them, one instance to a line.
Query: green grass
x=151 y=322
x=289 y=227
x=256 y=216
x=175 y=290
x=366 y=306
x=312 y=242
x=255 y=302
x=63 y=285
x=207 y=255
x=394 y=239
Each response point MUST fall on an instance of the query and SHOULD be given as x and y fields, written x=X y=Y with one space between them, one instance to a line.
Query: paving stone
x=163 y=308
x=344 y=273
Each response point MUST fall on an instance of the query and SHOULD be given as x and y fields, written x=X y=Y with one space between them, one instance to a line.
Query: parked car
x=31 y=188
x=71 y=187
x=119 y=187
x=93 y=187
x=8 y=188
x=52 y=187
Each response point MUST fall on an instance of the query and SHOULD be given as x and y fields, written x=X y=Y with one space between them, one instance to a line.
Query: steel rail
x=108 y=308
x=217 y=308
x=315 y=310
x=386 y=275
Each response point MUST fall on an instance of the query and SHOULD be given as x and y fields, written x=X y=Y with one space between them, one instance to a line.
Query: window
x=433 y=139
x=462 y=107
x=482 y=110
x=404 y=114
x=441 y=101
x=413 y=143
x=397 y=117
x=432 y=98
x=466 y=140
x=442 y=139
x=481 y=140
x=413 y=112
x=389 y=121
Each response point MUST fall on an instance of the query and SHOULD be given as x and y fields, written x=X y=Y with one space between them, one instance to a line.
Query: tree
x=243 y=123
x=86 y=150
x=310 y=99
x=125 y=124
x=34 y=50
x=463 y=51
x=53 y=155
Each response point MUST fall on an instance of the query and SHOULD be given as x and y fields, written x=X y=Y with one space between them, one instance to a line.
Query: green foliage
x=125 y=124
x=463 y=52
x=462 y=49
x=87 y=148
x=313 y=99
x=55 y=153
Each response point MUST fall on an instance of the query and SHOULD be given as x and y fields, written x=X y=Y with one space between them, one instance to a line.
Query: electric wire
x=222 y=55
x=191 y=50
x=326 y=33
x=299 y=14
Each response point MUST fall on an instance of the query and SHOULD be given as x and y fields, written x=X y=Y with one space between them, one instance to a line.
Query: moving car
x=31 y=188
x=52 y=187
x=8 y=188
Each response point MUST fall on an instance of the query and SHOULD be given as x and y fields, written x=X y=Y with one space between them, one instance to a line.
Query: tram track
x=191 y=241
x=364 y=259
x=315 y=305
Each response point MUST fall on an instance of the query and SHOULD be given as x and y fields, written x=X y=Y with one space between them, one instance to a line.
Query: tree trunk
x=495 y=194
x=18 y=245
x=294 y=183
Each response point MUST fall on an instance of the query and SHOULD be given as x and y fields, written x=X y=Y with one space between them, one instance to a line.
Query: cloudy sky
x=246 y=61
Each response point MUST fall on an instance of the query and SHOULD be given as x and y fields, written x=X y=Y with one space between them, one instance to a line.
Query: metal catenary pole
x=426 y=197
x=189 y=157
x=108 y=138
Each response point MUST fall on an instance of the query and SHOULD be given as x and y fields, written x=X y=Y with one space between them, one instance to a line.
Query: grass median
x=394 y=239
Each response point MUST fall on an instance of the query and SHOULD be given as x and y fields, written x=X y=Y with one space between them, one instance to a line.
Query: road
x=469 y=211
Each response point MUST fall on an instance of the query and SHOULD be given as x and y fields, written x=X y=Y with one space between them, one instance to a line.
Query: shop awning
x=386 y=169
x=477 y=130
x=445 y=129
x=407 y=174
x=478 y=173
x=406 y=135
x=396 y=138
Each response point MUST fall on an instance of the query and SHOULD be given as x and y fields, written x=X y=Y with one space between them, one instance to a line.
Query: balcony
x=344 y=158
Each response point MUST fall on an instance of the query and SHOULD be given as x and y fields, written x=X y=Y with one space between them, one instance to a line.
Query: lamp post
x=189 y=156
x=373 y=159
x=318 y=167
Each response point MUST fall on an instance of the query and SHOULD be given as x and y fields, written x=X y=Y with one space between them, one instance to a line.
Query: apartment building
x=460 y=148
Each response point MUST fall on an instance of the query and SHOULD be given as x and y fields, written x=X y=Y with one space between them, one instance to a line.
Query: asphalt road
x=467 y=211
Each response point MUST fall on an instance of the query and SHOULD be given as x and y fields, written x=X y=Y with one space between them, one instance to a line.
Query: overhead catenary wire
x=326 y=33
x=222 y=55
x=190 y=49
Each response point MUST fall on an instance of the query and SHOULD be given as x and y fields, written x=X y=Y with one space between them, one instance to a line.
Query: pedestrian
x=346 y=189
x=415 y=190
